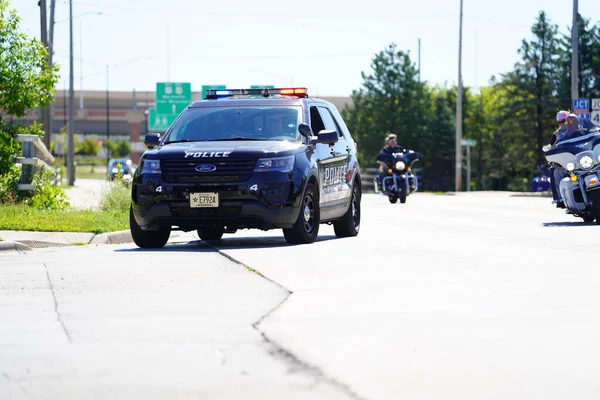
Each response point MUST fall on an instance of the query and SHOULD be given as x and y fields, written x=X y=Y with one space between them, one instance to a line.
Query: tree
x=531 y=101
x=391 y=100
x=26 y=81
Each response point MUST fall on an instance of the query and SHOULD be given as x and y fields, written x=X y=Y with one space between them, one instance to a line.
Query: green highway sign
x=206 y=87
x=159 y=122
x=468 y=142
x=173 y=97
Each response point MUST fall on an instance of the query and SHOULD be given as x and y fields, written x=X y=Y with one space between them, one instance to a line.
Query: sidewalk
x=86 y=193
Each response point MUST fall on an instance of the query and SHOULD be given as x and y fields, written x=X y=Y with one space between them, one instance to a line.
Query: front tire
x=349 y=224
x=393 y=199
x=402 y=197
x=306 y=227
x=148 y=239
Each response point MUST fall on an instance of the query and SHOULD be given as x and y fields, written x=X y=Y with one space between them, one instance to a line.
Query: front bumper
x=273 y=202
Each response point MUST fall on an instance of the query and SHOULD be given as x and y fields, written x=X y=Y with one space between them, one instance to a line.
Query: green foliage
x=26 y=80
x=47 y=196
x=119 y=149
x=22 y=217
x=391 y=100
x=117 y=197
x=87 y=147
x=8 y=185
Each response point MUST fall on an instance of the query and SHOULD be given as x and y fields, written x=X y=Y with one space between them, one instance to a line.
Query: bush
x=117 y=197
x=47 y=196
x=8 y=185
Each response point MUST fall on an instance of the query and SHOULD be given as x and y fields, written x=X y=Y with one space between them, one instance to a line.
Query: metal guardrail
x=35 y=155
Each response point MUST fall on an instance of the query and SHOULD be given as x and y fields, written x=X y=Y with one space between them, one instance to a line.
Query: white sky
x=321 y=44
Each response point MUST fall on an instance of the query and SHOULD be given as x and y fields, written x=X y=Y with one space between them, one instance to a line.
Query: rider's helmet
x=572 y=122
x=561 y=116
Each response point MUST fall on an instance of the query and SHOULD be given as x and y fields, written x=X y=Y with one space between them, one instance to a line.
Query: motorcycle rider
x=391 y=146
x=567 y=125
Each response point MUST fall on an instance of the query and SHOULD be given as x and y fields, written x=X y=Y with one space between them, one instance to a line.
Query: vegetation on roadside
x=24 y=218
x=41 y=214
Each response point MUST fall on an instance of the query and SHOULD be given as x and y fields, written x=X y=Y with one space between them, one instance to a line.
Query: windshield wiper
x=230 y=139
x=178 y=141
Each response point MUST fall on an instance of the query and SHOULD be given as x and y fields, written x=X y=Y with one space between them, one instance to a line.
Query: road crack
x=279 y=352
x=58 y=316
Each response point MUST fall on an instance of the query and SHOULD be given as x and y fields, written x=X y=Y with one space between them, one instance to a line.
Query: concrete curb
x=118 y=237
x=14 y=246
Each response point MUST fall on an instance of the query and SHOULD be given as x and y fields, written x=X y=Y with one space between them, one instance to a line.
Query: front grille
x=227 y=170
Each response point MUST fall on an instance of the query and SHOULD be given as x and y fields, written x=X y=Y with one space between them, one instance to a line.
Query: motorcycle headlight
x=570 y=166
x=400 y=165
x=586 y=162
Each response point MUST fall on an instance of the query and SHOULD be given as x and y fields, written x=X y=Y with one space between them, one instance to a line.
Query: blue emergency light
x=212 y=94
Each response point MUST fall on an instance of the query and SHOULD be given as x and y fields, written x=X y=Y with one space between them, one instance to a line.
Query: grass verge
x=23 y=218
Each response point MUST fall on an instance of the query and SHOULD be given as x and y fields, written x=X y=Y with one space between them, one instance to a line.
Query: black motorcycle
x=399 y=180
x=579 y=157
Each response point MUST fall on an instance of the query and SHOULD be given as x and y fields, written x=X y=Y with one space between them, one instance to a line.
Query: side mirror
x=151 y=140
x=327 y=137
x=305 y=130
x=546 y=147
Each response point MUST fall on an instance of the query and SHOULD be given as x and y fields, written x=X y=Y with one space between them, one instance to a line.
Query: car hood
x=225 y=149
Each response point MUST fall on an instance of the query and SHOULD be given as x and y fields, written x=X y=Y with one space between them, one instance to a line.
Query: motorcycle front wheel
x=393 y=199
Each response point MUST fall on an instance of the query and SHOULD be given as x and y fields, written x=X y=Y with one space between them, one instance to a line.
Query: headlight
x=151 y=167
x=570 y=166
x=281 y=164
x=114 y=170
x=586 y=162
x=400 y=165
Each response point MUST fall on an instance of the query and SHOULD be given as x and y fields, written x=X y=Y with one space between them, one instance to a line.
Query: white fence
x=35 y=156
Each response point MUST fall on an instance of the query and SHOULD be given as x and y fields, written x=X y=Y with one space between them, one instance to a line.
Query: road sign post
x=468 y=143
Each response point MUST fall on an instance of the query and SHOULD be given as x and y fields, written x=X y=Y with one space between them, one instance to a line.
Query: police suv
x=248 y=159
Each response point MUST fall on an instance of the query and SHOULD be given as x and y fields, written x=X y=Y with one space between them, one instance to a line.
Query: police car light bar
x=212 y=94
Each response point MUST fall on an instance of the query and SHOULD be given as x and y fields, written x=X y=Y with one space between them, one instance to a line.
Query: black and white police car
x=248 y=158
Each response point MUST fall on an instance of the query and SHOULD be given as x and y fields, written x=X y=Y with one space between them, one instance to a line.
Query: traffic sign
x=468 y=142
x=207 y=87
x=596 y=117
x=581 y=104
x=173 y=97
x=584 y=116
x=159 y=122
x=595 y=104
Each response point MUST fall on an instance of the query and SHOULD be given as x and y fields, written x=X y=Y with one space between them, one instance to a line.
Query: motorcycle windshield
x=585 y=141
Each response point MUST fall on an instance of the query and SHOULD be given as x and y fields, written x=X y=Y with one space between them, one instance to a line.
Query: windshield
x=236 y=123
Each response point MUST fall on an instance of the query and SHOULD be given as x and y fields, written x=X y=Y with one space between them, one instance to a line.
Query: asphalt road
x=478 y=295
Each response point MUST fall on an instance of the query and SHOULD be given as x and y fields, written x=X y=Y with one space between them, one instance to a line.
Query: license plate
x=202 y=200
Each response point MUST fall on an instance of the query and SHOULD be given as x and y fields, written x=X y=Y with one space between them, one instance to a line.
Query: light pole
x=458 y=165
x=575 y=54
x=70 y=156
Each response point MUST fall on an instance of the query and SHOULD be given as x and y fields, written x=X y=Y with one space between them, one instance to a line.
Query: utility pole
x=107 y=120
x=458 y=165
x=575 y=54
x=419 y=55
x=71 y=155
x=45 y=111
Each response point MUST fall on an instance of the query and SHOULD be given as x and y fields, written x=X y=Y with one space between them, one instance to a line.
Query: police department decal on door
x=334 y=181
